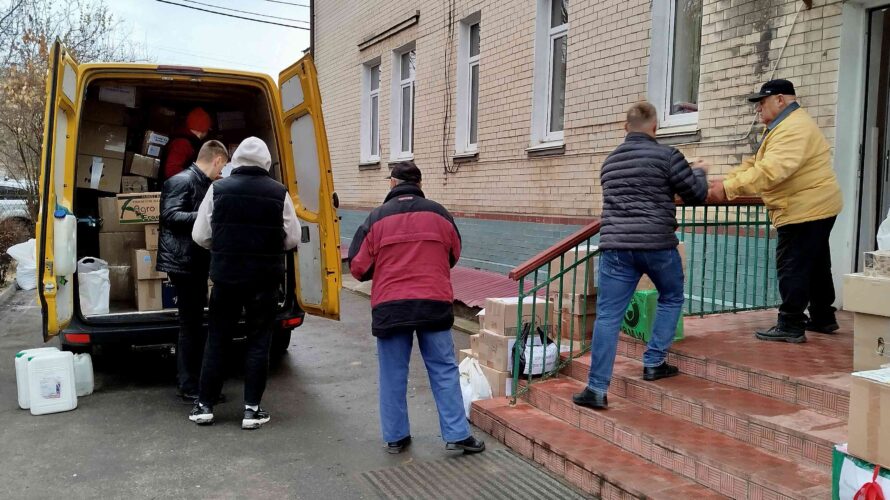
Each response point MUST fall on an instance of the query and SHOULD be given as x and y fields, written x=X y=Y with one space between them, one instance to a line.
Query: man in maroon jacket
x=185 y=143
x=408 y=246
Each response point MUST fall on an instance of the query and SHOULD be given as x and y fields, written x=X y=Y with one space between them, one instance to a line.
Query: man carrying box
x=185 y=262
x=408 y=246
x=640 y=180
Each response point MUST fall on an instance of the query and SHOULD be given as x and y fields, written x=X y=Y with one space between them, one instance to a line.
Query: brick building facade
x=526 y=183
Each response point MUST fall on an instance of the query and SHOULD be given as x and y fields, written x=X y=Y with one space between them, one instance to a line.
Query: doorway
x=875 y=169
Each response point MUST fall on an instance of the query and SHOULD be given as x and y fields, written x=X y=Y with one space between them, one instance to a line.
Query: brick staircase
x=745 y=419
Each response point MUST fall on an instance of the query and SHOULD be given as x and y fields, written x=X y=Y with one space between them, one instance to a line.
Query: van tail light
x=291 y=322
x=78 y=338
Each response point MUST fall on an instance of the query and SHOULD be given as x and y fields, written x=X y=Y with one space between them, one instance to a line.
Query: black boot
x=661 y=371
x=397 y=446
x=469 y=445
x=591 y=399
x=782 y=334
x=829 y=326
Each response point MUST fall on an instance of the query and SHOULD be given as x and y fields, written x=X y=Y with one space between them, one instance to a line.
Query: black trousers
x=191 y=296
x=227 y=301
x=803 y=265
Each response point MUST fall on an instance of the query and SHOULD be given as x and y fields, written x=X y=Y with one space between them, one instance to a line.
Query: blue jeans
x=437 y=349
x=619 y=273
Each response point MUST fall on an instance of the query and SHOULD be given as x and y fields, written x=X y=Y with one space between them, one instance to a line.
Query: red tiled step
x=722 y=348
x=598 y=468
x=712 y=459
x=786 y=429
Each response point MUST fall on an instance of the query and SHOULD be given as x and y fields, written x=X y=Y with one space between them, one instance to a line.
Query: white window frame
x=396 y=153
x=465 y=65
x=368 y=95
x=541 y=135
x=661 y=66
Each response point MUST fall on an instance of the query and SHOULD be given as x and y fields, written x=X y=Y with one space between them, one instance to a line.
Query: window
x=551 y=50
x=370 y=127
x=675 y=60
x=403 y=104
x=467 y=130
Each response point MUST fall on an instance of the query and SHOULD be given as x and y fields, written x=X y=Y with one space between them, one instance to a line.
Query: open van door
x=310 y=181
x=55 y=273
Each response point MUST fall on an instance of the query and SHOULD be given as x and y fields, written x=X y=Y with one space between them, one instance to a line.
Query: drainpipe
x=312 y=29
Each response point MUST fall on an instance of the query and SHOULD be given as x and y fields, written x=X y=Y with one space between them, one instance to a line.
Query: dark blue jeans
x=619 y=273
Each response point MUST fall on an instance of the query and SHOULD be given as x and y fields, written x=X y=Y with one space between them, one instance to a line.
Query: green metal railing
x=730 y=267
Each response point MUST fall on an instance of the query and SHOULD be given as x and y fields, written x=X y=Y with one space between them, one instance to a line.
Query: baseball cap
x=405 y=171
x=773 y=87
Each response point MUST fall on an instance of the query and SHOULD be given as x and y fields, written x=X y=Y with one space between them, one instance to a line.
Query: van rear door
x=307 y=173
x=56 y=293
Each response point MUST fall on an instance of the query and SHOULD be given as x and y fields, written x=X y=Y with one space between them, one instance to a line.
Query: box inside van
x=108 y=130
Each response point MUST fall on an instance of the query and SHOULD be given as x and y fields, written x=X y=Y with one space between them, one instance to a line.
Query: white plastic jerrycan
x=83 y=374
x=52 y=383
x=21 y=373
x=64 y=242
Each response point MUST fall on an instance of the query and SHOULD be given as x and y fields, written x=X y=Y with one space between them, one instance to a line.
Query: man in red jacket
x=408 y=246
x=185 y=143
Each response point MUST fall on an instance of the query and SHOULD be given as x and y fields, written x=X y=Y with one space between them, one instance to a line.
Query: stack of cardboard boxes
x=574 y=313
x=867 y=294
x=493 y=345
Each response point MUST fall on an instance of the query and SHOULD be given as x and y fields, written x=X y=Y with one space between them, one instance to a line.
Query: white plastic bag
x=473 y=384
x=26 y=264
x=94 y=286
x=884 y=234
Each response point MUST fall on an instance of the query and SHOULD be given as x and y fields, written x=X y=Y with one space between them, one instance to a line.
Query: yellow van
x=130 y=98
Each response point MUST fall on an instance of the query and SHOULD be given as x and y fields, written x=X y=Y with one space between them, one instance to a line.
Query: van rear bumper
x=81 y=334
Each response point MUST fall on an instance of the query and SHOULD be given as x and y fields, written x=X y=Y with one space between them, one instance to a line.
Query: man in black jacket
x=248 y=222
x=186 y=263
x=640 y=180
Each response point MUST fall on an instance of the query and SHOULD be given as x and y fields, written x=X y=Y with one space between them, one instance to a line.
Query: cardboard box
x=104 y=112
x=162 y=119
x=151 y=236
x=231 y=120
x=574 y=304
x=121 y=281
x=133 y=184
x=501 y=382
x=864 y=294
x=141 y=208
x=475 y=342
x=143 y=166
x=501 y=314
x=871 y=336
x=144 y=262
x=646 y=283
x=495 y=350
x=464 y=354
x=572 y=325
x=580 y=279
x=169 y=300
x=125 y=95
x=149 y=295
x=101 y=139
x=99 y=173
x=111 y=220
x=153 y=143
x=117 y=248
x=869 y=427
x=877 y=264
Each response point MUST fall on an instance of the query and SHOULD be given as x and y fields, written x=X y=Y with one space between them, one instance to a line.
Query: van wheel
x=280 y=343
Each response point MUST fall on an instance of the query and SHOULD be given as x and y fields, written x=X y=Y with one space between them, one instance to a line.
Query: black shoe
x=469 y=445
x=779 y=334
x=201 y=414
x=253 y=419
x=398 y=446
x=661 y=371
x=591 y=399
x=828 y=327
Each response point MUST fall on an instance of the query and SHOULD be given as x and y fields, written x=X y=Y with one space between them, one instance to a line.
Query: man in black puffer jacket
x=185 y=262
x=640 y=180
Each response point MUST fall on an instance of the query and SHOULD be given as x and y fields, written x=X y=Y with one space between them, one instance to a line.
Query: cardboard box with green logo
x=139 y=208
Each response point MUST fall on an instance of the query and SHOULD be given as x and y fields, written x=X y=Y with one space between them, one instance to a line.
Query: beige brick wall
x=608 y=59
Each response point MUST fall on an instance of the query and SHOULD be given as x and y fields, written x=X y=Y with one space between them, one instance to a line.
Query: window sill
x=400 y=160
x=465 y=157
x=547 y=149
x=678 y=135
x=369 y=165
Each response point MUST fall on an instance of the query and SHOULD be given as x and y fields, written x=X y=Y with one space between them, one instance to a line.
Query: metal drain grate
x=490 y=475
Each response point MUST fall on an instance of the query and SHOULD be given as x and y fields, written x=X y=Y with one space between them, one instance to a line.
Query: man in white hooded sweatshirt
x=248 y=222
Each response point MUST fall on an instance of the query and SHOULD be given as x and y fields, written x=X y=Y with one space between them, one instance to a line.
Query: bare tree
x=28 y=29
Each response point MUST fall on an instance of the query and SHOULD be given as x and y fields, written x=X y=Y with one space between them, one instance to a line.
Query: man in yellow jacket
x=792 y=172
